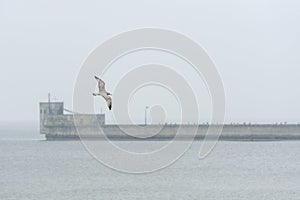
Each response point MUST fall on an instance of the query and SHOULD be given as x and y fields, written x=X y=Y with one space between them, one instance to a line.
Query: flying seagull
x=102 y=92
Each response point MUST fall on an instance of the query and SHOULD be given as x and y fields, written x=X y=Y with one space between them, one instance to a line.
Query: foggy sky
x=254 y=44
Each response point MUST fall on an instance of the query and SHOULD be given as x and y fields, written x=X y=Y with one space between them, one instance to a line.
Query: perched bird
x=102 y=92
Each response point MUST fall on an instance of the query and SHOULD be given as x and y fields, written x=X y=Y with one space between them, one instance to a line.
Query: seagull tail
x=97 y=78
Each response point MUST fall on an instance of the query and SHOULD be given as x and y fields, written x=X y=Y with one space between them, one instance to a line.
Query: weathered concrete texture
x=230 y=132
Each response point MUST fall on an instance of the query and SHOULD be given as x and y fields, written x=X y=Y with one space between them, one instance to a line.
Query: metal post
x=146 y=115
x=49 y=105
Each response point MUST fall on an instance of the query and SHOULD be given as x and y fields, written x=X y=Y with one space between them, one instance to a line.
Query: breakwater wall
x=167 y=132
x=56 y=125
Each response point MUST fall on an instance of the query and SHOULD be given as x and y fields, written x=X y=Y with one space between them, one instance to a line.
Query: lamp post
x=49 y=104
x=147 y=107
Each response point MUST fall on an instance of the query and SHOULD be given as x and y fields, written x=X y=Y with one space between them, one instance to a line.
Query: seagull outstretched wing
x=108 y=101
x=102 y=92
x=101 y=84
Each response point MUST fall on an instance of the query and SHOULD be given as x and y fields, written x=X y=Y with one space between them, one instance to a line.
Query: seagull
x=102 y=92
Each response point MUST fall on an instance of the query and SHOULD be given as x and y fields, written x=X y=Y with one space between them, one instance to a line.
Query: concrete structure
x=53 y=121
x=57 y=125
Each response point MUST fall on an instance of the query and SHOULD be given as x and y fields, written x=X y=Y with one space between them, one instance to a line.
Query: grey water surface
x=32 y=168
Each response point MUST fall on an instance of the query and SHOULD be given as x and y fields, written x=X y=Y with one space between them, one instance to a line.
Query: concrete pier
x=265 y=132
x=56 y=125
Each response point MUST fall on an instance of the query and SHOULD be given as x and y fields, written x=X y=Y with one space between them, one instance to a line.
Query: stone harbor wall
x=157 y=132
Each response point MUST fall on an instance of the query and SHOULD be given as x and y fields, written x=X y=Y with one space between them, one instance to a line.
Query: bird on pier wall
x=102 y=92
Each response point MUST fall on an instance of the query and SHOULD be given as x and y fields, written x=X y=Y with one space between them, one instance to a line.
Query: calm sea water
x=31 y=168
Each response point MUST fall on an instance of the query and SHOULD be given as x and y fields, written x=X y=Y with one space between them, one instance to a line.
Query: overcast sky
x=254 y=44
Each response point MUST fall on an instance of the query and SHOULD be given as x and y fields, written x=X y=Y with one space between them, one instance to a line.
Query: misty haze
x=149 y=99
